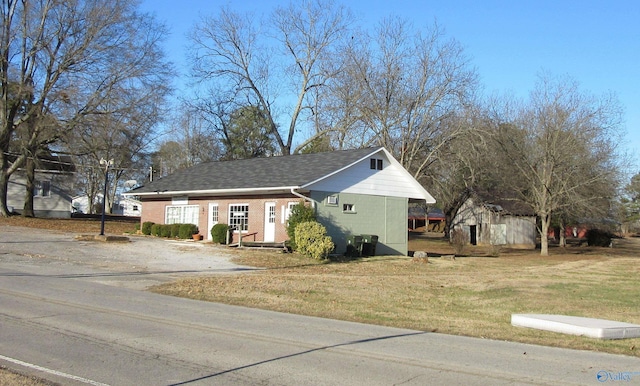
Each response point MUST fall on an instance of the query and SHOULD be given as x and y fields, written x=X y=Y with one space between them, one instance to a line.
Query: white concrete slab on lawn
x=575 y=325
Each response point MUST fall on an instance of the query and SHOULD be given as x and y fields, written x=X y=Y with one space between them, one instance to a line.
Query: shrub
x=300 y=213
x=312 y=240
x=155 y=229
x=458 y=240
x=187 y=230
x=165 y=230
x=599 y=238
x=219 y=233
x=146 y=227
x=175 y=230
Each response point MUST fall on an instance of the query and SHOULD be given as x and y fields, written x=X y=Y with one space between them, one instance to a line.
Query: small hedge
x=146 y=227
x=182 y=231
x=175 y=230
x=219 y=233
x=155 y=229
x=165 y=231
x=187 y=230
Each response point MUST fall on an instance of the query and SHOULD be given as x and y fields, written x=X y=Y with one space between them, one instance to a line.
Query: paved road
x=77 y=319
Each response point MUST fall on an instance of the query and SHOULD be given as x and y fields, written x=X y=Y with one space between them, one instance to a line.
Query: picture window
x=181 y=214
x=239 y=216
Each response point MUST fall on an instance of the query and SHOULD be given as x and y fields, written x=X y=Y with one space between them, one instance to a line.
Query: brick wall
x=154 y=210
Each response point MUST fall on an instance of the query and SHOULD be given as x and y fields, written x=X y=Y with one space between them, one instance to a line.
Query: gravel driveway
x=139 y=263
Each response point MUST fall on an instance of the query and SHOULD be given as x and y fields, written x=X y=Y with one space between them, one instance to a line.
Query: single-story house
x=486 y=221
x=54 y=181
x=124 y=206
x=354 y=192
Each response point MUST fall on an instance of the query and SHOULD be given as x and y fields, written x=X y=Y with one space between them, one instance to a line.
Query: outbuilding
x=487 y=220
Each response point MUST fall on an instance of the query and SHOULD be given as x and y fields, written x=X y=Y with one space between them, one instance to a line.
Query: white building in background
x=124 y=206
x=53 y=184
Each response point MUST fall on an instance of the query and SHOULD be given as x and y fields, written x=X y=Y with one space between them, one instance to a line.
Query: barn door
x=473 y=235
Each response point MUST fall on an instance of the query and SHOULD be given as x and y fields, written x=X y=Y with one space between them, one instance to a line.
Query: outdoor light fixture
x=106 y=165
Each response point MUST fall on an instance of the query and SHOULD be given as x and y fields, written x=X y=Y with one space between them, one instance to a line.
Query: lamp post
x=106 y=165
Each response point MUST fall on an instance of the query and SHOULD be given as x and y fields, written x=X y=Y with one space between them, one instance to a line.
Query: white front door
x=213 y=218
x=270 y=222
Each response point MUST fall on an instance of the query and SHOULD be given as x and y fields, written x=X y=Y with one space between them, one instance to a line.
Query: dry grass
x=10 y=378
x=71 y=225
x=473 y=295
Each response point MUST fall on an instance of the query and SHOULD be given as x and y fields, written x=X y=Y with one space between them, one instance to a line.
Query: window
x=287 y=212
x=375 y=164
x=348 y=208
x=42 y=188
x=135 y=208
x=214 y=214
x=332 y=199
x=181 y=214
x=239 y=216
x=272 y=214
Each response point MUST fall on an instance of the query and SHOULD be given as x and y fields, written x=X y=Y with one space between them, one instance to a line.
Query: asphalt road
x=75 y=313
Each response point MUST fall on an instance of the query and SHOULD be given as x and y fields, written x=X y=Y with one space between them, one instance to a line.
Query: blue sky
x=597 y=43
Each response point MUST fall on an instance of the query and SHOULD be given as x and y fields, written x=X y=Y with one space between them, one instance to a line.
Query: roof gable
x=361 y=178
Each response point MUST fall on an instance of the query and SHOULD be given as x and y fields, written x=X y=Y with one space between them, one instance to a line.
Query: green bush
x=146 y=227
x=312 y=240
x=219 y=233
x=187 y=230
x=175 y=230
x=300 y=213
x=165 y=230
x=155 y=229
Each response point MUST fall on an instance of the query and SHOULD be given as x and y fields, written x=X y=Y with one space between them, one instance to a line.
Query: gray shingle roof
x=271 y=172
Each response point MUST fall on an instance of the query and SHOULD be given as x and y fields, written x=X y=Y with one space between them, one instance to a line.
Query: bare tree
x=192 y=138
x=64 y=60
x=404 y=89
x=629 y=205
x=561 y=152
x=462 y=167
x=268 y=65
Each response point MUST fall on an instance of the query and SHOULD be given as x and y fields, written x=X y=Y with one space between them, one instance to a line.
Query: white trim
x=275 y=189
x=269 y=234
x=210 y=222
x=246 y=223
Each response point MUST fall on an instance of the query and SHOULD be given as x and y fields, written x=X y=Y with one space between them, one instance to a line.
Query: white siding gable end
x=360 y=178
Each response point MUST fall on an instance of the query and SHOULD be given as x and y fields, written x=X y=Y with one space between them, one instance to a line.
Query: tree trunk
x=544 y=230
x=561 y=235
x=4 y=184
x=30 y=166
